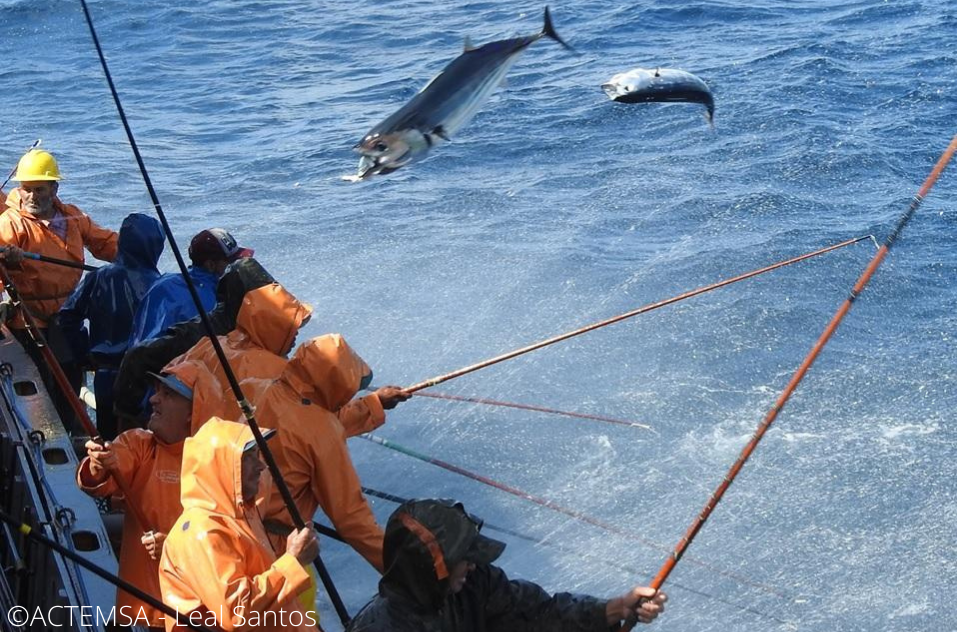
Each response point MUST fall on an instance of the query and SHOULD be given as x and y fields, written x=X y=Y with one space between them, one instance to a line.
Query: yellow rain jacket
x=217 y=560
x=152 y=472
x=322 y=376
x=44 y=287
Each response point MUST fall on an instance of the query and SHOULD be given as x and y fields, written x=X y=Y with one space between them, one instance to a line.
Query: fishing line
x=14 y=171
x=244 y=404
x=29 y=532
x=571 y=552
x=540 y=409
x=601 y=524
x=802 y=370
x=40 y=343
x=615 y=319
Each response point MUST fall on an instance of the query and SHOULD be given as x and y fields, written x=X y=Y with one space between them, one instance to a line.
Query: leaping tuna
x=662 y=84
x=444 y=105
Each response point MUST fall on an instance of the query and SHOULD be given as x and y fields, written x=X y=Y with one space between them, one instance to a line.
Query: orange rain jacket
x=151 y=470
x=45 y=286
x=216 y=559
x=322 y=376
x=266 y=328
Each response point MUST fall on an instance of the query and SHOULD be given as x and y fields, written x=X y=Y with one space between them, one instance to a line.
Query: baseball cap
x=173 y=383
x=216 y=243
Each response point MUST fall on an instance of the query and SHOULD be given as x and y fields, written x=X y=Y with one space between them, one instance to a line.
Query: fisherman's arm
x=324 y=458
x=241 y=594
x=102 y=243
x=122 y=457
x=523 y=605
x=11 y=253
x=365 y=414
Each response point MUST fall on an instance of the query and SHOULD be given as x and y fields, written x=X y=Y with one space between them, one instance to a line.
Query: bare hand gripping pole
x=244 y=405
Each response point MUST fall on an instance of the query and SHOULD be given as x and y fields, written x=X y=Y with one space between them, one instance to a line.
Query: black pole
x=60 y=262
x=28 y=531
x=244 y=405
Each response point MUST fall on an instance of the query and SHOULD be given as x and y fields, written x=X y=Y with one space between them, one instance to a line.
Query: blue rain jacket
x=168 y=302
x=108 y=297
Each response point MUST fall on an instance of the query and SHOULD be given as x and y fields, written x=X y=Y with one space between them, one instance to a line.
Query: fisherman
x=108 y=298
x=150 y=462
x=217 y=566
x=265 y=332
x=37 y=221
x=439 y=576
x=169 y=302
x=132 y=381
x=302 y=404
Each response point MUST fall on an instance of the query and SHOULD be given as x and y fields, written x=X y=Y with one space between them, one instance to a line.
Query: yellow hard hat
x=37 y=164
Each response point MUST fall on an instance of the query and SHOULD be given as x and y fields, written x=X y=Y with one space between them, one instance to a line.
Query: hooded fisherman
x=440 y=578
x=108 y=298
x=217 y=564
x=302 y=404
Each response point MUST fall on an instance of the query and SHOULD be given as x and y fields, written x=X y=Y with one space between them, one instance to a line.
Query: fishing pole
x=244 y=404
x=548 y=504
x=145 y=597
x=60 y=262
x=635 y=312
x=540 y=409
x=802 y=370
x=571 y=552
x=40 y=342
x=14 y=170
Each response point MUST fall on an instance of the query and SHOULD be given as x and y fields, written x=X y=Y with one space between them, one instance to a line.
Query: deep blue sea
x=556 y=208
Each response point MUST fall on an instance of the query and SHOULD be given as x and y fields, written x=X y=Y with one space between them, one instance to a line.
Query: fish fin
x=468 y=44
x=658 y=71
x=548 y=30
x=441 y=133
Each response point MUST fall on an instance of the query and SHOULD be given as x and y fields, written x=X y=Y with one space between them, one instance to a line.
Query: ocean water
x=556 y=208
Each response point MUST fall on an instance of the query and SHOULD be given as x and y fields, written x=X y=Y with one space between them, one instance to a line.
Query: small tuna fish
x=444 y=105
x=662 y=84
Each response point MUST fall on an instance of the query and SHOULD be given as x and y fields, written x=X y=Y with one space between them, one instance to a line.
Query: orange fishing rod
x=635 y=312
x=40 y=341
x=865 y=277
x=539 y=409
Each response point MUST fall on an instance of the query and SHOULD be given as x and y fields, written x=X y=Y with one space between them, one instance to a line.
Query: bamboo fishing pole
x=802 y=370
x=30 y=532
x=641 y=310
x=244 y=404
x=64 y=383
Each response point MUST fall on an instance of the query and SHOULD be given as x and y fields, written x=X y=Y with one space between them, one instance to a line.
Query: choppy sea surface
x=556 y=208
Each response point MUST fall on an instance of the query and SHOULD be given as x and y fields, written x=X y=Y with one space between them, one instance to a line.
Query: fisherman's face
x=171 y=416
x=459 y=574
x=252 y=469
x=37 y=197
